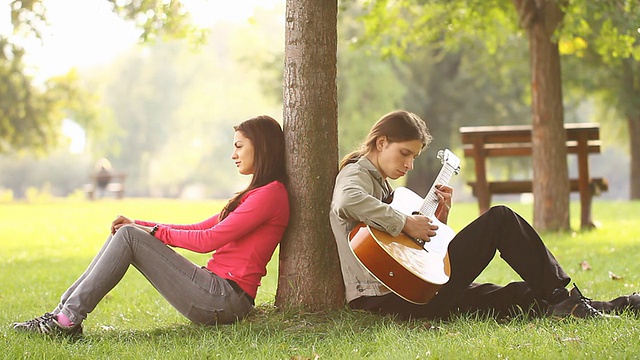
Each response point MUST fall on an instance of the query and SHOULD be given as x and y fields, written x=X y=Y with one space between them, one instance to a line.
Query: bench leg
x=586 y=221
x=484 y=200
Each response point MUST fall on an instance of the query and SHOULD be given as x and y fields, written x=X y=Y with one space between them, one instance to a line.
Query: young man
x=388 y=152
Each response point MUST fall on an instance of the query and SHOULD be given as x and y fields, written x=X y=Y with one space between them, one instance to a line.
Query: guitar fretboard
x=430 y=203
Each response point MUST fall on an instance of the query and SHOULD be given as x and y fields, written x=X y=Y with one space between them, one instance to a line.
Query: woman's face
x=395 y=159
x=242 y=153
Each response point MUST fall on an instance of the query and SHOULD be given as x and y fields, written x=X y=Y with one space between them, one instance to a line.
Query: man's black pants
x=499 y=229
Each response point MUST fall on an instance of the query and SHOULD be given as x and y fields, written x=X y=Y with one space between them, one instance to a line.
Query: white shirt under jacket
x=357 y=197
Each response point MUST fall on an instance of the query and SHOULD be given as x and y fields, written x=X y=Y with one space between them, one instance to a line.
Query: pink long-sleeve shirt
x=243 y=242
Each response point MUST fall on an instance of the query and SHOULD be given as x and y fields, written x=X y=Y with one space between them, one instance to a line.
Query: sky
x=86 y=33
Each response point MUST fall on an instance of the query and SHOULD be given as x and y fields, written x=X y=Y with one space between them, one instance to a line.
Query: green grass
x=44 y=247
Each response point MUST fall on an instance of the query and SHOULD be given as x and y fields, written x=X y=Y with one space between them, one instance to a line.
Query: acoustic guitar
x=414 y=269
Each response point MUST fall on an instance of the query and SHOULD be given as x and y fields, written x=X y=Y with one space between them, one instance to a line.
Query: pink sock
x=64 y=320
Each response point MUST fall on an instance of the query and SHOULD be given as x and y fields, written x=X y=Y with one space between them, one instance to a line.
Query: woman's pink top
x=243 y=242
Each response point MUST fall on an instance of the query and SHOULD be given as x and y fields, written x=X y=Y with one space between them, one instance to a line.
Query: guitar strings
x=430 y=204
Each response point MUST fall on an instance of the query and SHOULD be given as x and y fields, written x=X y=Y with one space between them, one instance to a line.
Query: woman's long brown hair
x=268 y=156
x=397 y=126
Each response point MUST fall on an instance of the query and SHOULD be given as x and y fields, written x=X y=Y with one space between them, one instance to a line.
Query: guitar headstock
x=449 y=158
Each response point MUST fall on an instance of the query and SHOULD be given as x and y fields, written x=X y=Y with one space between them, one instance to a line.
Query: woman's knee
x=128 y=233
x=124 y=231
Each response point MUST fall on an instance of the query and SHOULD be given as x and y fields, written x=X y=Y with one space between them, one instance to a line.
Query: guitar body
x=413 y=269
x=414 y=272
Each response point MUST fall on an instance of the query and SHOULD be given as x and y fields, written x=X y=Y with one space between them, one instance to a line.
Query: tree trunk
x=434 y=105
x=630 y=98
x=634 y=139
x=550 y=169
x=310 y=275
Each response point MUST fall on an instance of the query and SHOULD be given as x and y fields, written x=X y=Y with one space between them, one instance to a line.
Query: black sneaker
x=576 y=305
x=47 y=324
x=620 y=304
x=634 y=302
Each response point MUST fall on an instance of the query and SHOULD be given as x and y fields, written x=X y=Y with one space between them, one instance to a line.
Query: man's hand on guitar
x=445 y=194
x=419 y=227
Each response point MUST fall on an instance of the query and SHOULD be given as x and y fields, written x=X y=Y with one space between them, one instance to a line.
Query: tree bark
x=310 y=275
x=629 y=96
x=634 y=145
x=540 y=18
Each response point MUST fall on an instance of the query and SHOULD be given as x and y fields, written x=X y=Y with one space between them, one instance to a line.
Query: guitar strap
x=389 y=198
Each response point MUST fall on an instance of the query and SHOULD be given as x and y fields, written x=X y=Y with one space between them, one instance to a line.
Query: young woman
x=244 y=236
x=361 y=186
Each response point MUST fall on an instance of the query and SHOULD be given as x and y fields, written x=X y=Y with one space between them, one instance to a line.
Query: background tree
x=398 y=25
x=142 y=113
x=452 y=23
x=309 y=271
x=172 y=107
x=540 y=19
x=368 y=85
x=464 y=88
x=605 y=54
x=30 y=114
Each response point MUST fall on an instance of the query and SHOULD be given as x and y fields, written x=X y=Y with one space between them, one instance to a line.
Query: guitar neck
x=430 y=203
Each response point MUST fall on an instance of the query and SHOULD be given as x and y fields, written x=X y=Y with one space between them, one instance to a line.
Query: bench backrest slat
x=522 y=133
x=524 y=149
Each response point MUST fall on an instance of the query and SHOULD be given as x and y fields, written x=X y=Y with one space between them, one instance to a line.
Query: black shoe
x=47 y=324
x=620 y=304
x=576 y=305
x=634 y=302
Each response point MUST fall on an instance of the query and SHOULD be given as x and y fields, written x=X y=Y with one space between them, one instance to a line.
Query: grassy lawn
x=44 y=247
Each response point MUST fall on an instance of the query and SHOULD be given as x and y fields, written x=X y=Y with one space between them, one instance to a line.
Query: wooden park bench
x=483 y=142
x=114 y=184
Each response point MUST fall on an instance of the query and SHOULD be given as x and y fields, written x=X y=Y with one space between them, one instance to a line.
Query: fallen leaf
x=614 y=276
x=585 y=265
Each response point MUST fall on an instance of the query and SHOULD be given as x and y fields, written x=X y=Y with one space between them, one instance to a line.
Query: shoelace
x=40 y=319
x=586 y=301
x=582 y=297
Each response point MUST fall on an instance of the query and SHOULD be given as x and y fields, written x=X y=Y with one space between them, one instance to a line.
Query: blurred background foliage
x=163 y=111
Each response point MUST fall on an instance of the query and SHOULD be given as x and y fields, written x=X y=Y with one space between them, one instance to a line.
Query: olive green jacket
x=357 y=197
